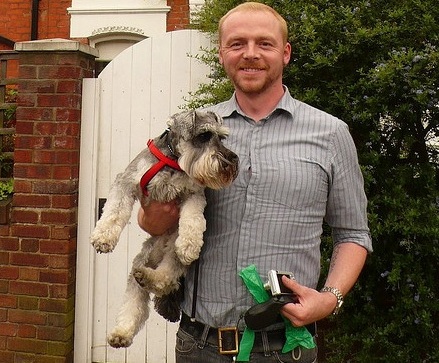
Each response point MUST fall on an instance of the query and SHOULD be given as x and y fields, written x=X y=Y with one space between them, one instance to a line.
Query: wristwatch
x=337 y=294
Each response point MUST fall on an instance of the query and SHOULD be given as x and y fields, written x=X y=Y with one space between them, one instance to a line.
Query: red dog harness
x=163 y=161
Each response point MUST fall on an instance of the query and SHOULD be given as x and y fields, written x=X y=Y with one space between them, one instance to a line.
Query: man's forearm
x=347 y=261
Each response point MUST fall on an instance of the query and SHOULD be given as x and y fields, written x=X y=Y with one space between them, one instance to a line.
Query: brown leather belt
x=227 y=338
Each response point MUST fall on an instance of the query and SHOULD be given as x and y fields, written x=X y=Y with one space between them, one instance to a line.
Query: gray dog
x=179 y=164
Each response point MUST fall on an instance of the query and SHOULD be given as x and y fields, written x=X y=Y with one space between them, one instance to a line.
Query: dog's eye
x=204 y=137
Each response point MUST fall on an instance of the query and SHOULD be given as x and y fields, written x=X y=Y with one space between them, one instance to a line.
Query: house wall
x=16 y=19
x=54 y=19
x=178 y=18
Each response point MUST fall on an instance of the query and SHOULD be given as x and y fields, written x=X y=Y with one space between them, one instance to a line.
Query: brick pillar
x=178 y=16
x=38 y=291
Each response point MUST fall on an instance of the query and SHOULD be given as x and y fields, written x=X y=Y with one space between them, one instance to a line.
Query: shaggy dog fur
x=194 y=140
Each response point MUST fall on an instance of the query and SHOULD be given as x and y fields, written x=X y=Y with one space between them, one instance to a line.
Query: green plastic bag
x=294 y=336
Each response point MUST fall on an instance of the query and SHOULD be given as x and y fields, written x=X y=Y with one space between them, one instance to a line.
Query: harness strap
x=163 y=161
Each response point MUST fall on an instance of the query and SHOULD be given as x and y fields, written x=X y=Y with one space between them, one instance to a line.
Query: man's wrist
x=339 y=296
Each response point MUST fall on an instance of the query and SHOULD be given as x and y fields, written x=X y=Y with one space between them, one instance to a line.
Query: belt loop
x=299 y=354
x=203 y=339
x=265 y=344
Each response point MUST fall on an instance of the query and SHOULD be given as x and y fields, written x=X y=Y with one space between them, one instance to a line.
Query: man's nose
x=251 y=51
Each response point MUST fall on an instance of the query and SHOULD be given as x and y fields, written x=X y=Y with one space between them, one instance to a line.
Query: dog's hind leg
x=162 y=280
x=157 y=269
x=132 y=315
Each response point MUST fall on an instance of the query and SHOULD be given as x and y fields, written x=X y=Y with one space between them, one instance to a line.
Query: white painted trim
x=117 y=29
x=86 y=221
x=94 y=11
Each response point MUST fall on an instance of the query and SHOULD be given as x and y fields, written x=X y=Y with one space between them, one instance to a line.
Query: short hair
x=254 y=6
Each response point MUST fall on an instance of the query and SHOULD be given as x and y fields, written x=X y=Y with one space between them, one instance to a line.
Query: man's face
x=252 y=51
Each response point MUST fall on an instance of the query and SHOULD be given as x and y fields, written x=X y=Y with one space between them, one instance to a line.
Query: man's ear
x=220 y=53
x=287 y=53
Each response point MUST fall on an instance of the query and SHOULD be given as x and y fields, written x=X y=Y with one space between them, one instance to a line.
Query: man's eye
x=204 y=137
x=236 y=45
x=265 y=44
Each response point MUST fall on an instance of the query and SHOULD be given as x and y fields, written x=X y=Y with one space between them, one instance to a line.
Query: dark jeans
x=189 y=350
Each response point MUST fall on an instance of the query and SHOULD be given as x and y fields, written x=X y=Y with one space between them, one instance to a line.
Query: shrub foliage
x=374 y=64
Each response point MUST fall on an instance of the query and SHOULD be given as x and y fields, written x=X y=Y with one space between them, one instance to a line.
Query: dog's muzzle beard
x=229 y=164
x=215 y=169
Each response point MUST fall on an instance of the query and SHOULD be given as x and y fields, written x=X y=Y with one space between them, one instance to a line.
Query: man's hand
x=347 y=261
x=158 y=218
x=312 y=305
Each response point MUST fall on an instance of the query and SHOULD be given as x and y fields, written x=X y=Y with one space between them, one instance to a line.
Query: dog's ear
x=182 y=118
x=216 y=117
x=171 y=121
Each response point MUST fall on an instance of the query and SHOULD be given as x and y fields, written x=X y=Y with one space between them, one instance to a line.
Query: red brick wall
x=54 y=21
x=15 y=20
x=38 y=248
x=178 y=17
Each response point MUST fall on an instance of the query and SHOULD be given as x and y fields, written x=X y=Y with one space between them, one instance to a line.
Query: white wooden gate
x=126 y=105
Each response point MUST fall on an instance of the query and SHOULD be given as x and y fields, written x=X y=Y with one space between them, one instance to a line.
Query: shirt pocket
x=299 y=184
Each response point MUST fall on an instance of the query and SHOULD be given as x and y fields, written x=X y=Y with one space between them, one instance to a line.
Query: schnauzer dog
x=179 y=164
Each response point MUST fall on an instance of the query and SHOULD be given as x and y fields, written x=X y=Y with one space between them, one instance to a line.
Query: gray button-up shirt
x=298 y=167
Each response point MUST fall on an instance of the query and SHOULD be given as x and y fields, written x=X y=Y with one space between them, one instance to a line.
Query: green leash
x=294 y=336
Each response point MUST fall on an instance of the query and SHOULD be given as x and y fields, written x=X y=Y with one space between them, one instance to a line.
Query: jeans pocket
x=185 y=344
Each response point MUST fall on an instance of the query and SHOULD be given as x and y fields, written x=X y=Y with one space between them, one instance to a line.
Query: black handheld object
x=265 y=314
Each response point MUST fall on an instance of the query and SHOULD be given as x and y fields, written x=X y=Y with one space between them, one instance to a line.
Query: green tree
x=373 y=64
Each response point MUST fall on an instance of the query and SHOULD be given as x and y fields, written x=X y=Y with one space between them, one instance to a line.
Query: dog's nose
x=230 y=158
x=232 y=166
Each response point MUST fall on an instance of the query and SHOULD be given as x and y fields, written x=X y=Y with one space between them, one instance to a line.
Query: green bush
x=6 y=189
x=374 y=64
x=7 y=142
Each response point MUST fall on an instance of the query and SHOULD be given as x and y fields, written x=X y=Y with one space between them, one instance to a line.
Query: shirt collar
x=285 y=104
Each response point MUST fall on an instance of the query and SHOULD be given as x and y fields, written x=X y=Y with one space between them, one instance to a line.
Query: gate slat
x=120 y=146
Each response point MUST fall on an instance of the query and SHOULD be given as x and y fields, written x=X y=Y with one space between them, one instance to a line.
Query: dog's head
x=196 y=139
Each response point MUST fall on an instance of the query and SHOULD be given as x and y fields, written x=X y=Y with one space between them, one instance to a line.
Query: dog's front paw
x=102 y=247
x=119 y=339
x=187 y=251
x=104 y=241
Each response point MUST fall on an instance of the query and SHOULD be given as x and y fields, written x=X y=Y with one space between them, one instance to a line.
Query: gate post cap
x=55 y=44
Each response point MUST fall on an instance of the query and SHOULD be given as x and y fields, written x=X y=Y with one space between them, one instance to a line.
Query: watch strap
x=337 y=294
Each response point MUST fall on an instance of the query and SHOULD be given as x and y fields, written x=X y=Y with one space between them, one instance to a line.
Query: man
x=298 y=167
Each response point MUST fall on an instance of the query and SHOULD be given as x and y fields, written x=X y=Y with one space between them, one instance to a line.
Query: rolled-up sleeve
x=347 y=203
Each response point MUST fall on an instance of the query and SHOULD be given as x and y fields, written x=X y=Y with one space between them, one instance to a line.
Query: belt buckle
x=228 y=340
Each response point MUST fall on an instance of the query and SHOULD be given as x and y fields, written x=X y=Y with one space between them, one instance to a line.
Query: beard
x=262 y=79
